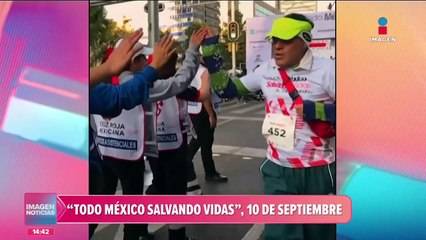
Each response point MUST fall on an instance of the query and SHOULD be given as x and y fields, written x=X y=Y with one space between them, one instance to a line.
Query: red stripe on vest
x=318 y=163
x=283 y=108
x=317 y=141
x=308 y=152
x=267 y=106
x=299 y=123
x=288 y=84
x=295 y=162
x=274 y=151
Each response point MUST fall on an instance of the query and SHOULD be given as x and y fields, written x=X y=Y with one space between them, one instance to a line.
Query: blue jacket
x=108 y=100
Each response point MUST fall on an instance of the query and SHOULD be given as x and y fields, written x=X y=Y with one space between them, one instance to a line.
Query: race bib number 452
x=279 y=130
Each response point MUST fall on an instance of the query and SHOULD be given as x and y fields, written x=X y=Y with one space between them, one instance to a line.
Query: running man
x=298 y=160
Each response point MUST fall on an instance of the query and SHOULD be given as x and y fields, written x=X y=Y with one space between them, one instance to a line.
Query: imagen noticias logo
x=40 y=208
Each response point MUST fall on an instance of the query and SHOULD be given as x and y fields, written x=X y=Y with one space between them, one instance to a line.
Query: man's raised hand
x=121 y=56
x=163 y=50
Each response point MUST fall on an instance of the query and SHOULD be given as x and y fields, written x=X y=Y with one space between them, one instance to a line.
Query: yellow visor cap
x=288 y=28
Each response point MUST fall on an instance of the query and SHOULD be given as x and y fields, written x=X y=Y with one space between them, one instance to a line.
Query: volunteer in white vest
x=200 y=81
x=204 y=119
x=170 y=168
x=124 y=141
x=119 y=149
x=110 y=101
x=299 y=161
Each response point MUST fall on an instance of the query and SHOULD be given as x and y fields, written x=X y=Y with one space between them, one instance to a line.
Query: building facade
x=249 y=9
x=188 y=12
x=296 y=6
x=262 y=9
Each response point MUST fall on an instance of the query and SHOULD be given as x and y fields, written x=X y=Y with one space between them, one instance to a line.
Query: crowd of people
x=151 y=107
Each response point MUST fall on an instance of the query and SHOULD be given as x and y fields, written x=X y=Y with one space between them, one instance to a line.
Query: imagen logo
x=382 y=30
x=40 y=208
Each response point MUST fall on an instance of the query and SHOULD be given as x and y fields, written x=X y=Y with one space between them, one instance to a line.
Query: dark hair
x=300 y=17
x=172 y=60
x=201 y=59
x=202 y=63
x=169 y=69
x=139 y=57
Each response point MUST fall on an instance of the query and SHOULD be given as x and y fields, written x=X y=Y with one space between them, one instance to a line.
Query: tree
x=104 y=33
x=180 y=49
x=197 y=25
x=223 y=44
x=189 y=30
x=188 y=33
x=164 y=33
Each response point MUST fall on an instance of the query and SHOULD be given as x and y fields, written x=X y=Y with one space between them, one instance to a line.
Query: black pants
x=205 y=138
x=169 y=171
x=131 y=175
x=169 y=178
x=100 y=179
x=280 y=180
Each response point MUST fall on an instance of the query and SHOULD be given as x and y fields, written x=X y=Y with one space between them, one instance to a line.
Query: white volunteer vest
x=169 y=127
x=195 y=107
x=122 y=137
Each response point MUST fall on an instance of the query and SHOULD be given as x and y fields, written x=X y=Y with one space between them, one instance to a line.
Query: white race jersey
x=315 y=80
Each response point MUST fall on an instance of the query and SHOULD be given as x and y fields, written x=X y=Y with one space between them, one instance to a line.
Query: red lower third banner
x=196 y=209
